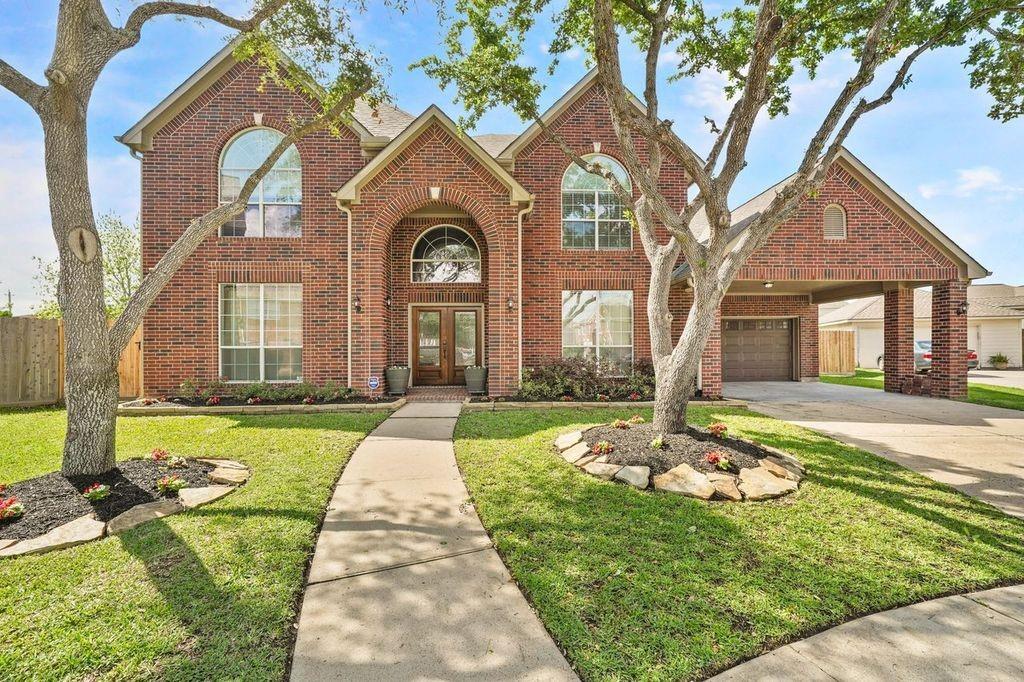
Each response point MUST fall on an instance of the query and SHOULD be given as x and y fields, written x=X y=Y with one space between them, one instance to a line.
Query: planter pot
x=1000 y=365
x=398 y=380
x=476 y=379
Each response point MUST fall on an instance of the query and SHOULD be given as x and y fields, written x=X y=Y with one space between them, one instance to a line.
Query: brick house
x=404 y=241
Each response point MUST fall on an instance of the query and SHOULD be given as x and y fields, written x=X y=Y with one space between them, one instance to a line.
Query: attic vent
x=835 y=222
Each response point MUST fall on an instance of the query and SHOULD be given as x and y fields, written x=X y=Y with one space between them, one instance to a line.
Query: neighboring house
x=995 y=320
x=404 y=241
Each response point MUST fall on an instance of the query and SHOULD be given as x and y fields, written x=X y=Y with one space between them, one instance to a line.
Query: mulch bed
x=227 y=401
x=633 y=448
x=53 y=500
x=570 y=403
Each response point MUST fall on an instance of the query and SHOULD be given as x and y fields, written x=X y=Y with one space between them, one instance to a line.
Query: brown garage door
x=757 y=350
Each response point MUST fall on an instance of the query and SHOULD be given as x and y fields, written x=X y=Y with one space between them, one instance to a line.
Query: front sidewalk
x=405 y=583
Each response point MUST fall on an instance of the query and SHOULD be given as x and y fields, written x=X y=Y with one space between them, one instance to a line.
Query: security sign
x=373 y=383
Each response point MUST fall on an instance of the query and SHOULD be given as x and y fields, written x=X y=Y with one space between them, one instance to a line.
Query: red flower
x=308 y=400
x=566 y=398
x=717 y=429
x=634 y=396
x=713 y=457
x=213 y=400
x=159 y=454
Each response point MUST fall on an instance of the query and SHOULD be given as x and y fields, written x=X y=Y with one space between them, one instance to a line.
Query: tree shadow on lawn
x=678 y=587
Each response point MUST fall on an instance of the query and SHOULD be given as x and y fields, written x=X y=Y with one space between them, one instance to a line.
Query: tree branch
x=145 y=12
x=21 y=85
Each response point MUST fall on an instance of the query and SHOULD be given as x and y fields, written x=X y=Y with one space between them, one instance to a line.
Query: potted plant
x=476 y=379
x=999 y=361
x=398 y=379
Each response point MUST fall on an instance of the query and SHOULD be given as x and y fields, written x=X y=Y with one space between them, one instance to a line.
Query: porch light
x=357 y=304
x=511 y=303
x=769 y=285
x=387 y=301
x=962 y=308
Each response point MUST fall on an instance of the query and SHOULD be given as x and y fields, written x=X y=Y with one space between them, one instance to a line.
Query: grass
x=654 y=586
x=208 y=594
x=980 y=394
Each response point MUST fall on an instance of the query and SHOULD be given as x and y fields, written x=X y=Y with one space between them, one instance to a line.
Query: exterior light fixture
x=357 y=304
x=387 y=301
x=511 y=303
x=769 y=285
x=962 y=308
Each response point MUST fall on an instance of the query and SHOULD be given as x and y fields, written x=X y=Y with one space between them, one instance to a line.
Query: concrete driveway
x=1011 y=378
x=977 y=449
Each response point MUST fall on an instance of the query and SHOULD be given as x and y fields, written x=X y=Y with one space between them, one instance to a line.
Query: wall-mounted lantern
x=962 y=308
x=357 y=304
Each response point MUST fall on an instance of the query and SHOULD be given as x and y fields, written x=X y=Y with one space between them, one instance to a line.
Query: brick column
x=949 y=340
x=899 y=338
x=711 y=360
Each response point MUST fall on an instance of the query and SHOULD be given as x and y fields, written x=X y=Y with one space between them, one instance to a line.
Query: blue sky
x=934 y=144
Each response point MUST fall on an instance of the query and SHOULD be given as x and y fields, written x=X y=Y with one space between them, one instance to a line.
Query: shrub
x=658 y=443
x=159 y=454
x=718 y=460
x=96 y=492
x=175 y=462
x=11 y=509
x=998 y=359
x=621 y=424
x=170 y=484
x=602 y=447
x=580 y=379
x=718 y=429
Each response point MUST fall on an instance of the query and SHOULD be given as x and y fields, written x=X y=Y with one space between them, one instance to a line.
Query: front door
x=445 y=341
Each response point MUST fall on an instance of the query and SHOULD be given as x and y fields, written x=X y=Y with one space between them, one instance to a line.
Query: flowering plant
x=621 y=424
x=718 y=429
x=566 y=398
x=159 y=454
x=11 y=509
x=658 y=443
x=213 y=400
x=176 y=462
x=3 y=487
x=603 y=398
x=150 y=401
x=255 y=400
x=602 y=447
x=170 y=485
x=636 y=419
x=718 y=459
x=308 y=400
x=634 y=396
x=96 y=492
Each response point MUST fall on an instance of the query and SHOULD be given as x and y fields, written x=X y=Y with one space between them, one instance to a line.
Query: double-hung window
x=275 y=206
x=593 y=217
x=598 y=325
x=261 y=332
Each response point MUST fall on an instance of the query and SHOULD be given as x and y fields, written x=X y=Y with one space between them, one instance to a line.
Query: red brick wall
x=898 y=338
x=180 y=182
x=949 y=340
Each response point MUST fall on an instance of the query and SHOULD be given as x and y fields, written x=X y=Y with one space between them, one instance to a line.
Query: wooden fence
x=32 y=362
x=836 y=352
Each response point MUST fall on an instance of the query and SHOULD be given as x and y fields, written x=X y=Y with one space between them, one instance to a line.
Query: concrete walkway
x=405 y=583
x=977 y=449
x=971 y=637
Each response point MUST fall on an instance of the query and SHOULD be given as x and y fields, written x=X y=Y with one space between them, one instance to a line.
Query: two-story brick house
x=404 y=241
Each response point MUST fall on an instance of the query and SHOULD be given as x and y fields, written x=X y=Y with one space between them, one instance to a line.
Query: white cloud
x=970 y=182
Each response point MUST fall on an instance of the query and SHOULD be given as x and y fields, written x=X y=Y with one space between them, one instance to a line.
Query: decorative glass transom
x=445 y=254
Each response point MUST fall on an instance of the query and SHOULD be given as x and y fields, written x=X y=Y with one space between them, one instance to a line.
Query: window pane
x=446 y=254
x=231 y=183
x=283 y=220
x=245 y=225
x=614 y=234
x=579 y=319
x=598 y=325
x=465 y=338
x=283 y=364
x=429 y=342
x=588 y=353
x=609 y=207
x=578 y=205
x=240 y=315
x=577 y=178
x=240 y=364
x=616 y=360
x=577 y=235
x=282 y=187
x=616 y=312
x=282 y=304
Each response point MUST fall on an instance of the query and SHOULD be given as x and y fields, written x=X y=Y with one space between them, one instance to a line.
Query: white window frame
x=262 y=344
x=597 y=339
x=479 y=260
x=258 y=192
x=597 y=203
x=846 y=222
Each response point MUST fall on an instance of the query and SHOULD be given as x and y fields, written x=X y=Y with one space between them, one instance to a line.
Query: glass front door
x=446 y=341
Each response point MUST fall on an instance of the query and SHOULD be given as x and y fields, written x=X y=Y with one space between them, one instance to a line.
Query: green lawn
x=207 y=594
x=982 y=394
x=637 y=585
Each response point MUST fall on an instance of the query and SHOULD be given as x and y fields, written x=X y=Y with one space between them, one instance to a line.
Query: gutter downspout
x=348 y=286
x=519 y=294
x=137 y=155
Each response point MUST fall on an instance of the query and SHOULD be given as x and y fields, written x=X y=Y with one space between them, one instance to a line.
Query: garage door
x=757 y=350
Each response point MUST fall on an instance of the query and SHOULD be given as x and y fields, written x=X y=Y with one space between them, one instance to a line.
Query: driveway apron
x=405 y=583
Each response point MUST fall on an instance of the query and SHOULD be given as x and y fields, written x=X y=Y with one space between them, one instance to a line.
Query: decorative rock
x=585 y=460
x=225 y=464
x=191 y=498
x=761 y=484
x=75 y=532
x=567 y=440
x=4 y=544
x=638 y=477
x=685 y=480
x=779 y=470
x=602 y=470
x=230 y=476
x=136 y=516
x=575 y=453
x=603 y=459
x=725 y=486
x=786 y=459
x=790 y=465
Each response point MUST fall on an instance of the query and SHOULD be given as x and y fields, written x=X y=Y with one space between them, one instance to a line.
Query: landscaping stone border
x=186 y=410
x=88 y=528
x=778 y=474
x=498 y=406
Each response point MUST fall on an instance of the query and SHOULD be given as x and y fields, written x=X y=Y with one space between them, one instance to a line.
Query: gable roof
x=370 y=123
x=872 y=309
x=519 y=142
x=349 y=192
x=745 y=214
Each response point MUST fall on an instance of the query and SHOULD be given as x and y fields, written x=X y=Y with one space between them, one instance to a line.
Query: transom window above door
x=445 y=254
x=593 y=217
x=275 y=206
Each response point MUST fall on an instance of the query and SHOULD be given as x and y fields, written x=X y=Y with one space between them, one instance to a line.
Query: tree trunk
x=90 y=383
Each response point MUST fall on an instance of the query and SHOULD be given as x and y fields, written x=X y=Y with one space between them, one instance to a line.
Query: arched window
x=445 y=254
x=592 y=215
x=275 y=206
x=835 y=222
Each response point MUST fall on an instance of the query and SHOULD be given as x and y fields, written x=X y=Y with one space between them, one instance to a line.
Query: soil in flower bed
x=633 y=448
x=53 y=500
x=229 y=401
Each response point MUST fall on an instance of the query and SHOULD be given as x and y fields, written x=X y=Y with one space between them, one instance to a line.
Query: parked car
x=923 y=357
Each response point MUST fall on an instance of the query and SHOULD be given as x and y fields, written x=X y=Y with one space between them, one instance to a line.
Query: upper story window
x=275 y=206
x=592 y=215
x=835 y=222
x=445 y=254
